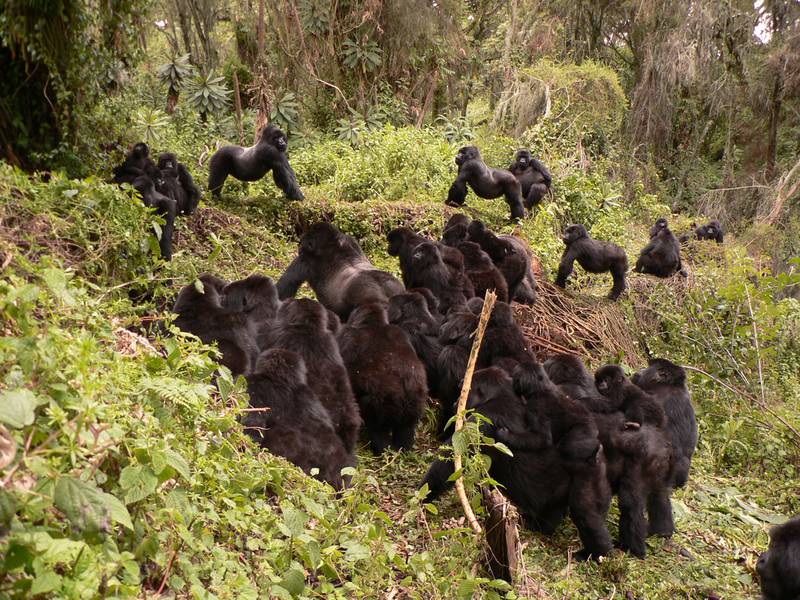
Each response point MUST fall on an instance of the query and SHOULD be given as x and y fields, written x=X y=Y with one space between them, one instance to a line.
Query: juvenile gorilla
x=710 y=231
x=301 y=326
x=201 y=313
x=638 y=406
x=427 y=270
x=779 y=567
x=482 y=272
x=662 y=256
x=166 y=207
x=485 y=181
x=512 y=261
x=503 y=344
x=337 y=270
x=137 y=163
x=455 y=337
x=666 y=382
x=542 y=506
x=177 y=183
x=295 y=424
x=534 y=178
x=388 y=379
x=251 y=164
x=594 y=256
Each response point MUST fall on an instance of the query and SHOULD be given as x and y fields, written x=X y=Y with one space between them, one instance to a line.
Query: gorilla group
x=168 y=187
x=710 y=231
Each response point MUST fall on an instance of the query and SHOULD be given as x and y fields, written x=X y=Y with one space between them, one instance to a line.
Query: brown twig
x=488 y=305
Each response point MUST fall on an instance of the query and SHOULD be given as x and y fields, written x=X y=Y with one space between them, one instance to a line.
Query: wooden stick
x=488 y=305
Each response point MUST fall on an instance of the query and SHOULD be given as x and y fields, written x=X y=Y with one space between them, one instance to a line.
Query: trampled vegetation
x=124 y=471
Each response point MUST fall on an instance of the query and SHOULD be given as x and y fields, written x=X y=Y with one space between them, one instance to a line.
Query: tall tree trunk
x=778 y=9
x=260 y=29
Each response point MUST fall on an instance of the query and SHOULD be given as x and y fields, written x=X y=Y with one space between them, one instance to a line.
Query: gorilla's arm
x=538 y=436
x=293 y=278
x=437 y=478
x=188 y=185
x=458 y=191
x=284 y=177
x=565 y=266
x=539 y=166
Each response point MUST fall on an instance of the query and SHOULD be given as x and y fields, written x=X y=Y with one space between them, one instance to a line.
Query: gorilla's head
x=573 y=233
x=567 y=368
x=467 y=153
x=609 y=379
x=660 y=371
x=409 y=306
x=303 y=311
x=323 y=239
x=248 y=294
x=140 y=150
x=426 y=255
x=274 y=136
x=531 y=379
x=522 y=161
x=368 y=315
x=397 y=238
x=167 y=161
x=281 y=367
x=474 y=256
x=486 y=385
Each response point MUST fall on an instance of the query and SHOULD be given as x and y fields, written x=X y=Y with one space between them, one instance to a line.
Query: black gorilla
x=503 y=342
x=177 y=183
x=455 y=336
x=512 y=262
x=522 y=475
x=200 y=312
x=301 y=326
x=338 y=271
x=639 y=407
x=594 y=256
x=388 y=379
x=166 y=207
x=411 y=313
x=251 y=164
x=779 y=567
x=662 y=256
x=485 y=181
x=137 y=163
x=638 y=460
x=426 y=269
x=295 y=424
x=403 y=241
x=482 y=272
x=710 y=231
x=533 y=177
x=256 y=296
x=666 y=382
x=455 y=230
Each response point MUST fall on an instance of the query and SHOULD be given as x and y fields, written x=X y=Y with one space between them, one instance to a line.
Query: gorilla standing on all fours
x=666 y=382
x=388 y=379
x=662 y=256
x=338 y=271
x=594 y=256
x=485 y=181
x=779 y=567
x=251 y=164
x=177 y=183
x=533 y=177
x=710 y=231
x=295 y=424
x=201 y=313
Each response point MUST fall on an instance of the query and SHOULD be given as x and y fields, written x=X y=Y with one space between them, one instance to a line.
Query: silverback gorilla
x=485 y=181
x=251 y=164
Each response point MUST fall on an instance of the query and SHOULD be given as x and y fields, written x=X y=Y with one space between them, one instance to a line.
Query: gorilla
x=251 y=164
x=521 y=475
x=256 y=296
x=295 y=424
x=512 y=262
x=658 y=226
x=533 y=177
x=710 y=231
x=388 y=379
x=455 y=230
x=177 y=183
x=455 y=336
x=301 y=326
x=594 y=256
x=338 y=271
x=137 y=163
x=166 y=207
x=485 y=181
x=427 y=270
x=662 y=256
x=779 y=567
x=503 y=341
x=639 y=407
x=200 y=312
x=403 y=241
x=666 y=382
x=639 y=461
x=411 y=313
x=482 y=272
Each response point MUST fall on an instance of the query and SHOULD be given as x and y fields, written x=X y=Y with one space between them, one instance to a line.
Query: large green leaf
x=138 y=482
x=87 y=507
x=17 y=407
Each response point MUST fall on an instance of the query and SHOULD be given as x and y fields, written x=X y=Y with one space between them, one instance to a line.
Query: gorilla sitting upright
x=533 y=177
x=177 y=183
x=251 y=164
x=485 y=181
x=662 y=256
x=338 y=271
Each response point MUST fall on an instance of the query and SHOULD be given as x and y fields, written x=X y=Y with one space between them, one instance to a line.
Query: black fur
x=411 y=313
x=534 y=178
x=256 y=296
x=779 y=567
x=295 y=424
x=177 y=183
x=594 y=256
x=338 y=271
x=666 y=382
x=662 y=256
x=388 y=379
x=485 y=181
x=482 y=272
x=251 y=164
x=511 y=260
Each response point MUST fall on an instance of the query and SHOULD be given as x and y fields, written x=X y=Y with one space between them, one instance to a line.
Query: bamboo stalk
x=488 y=304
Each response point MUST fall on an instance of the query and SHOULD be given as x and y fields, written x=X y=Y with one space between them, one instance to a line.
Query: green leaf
x=17 y=407
x=177 y=462
x=294 y=520
x=138 y=482
x=294 y=582
x=83 y=504
x=45 y=582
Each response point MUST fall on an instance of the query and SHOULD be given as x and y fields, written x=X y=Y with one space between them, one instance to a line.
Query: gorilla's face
x=467 y=153
x=397 y=238
x=274 y=136
x=141 y=150
x=608 y=379
x=455 y=234
x=279 y=141
x=425 y=254
x=573 y=233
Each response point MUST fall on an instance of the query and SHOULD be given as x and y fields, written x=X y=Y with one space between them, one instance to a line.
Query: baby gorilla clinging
x=295 y=424
x=388 y=379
